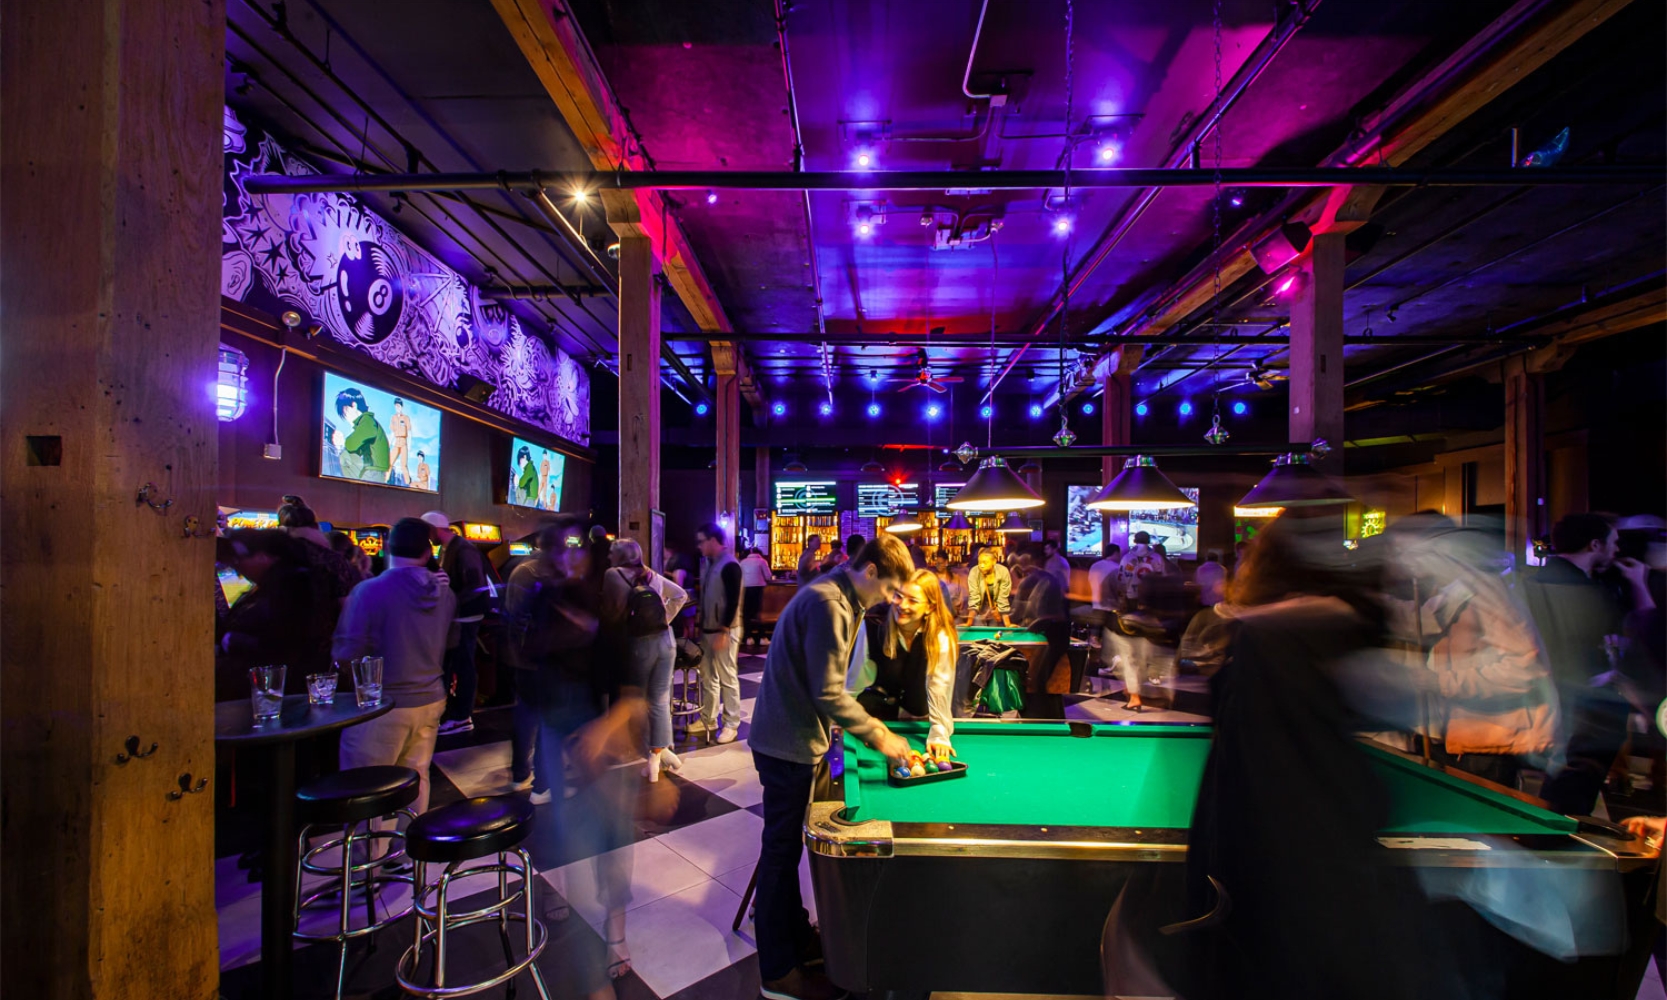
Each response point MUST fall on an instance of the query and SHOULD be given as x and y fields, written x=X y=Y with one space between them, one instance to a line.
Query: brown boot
x=801 y=985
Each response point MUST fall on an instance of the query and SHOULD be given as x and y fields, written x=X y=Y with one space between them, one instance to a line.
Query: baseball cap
x=436 y=519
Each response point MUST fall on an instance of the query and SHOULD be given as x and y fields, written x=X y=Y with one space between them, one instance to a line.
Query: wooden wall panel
x=110 y=116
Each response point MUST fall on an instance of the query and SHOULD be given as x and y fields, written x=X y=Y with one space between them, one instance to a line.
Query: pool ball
x=916 y=771
x=902 y=772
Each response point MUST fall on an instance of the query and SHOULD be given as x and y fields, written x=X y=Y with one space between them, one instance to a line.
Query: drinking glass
x=321 y=688
x=266 y=691
x=367 y=681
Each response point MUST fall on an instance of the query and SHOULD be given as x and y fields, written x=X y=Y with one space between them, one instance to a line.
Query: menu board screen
x=800 y=496
x=886 y=499
x=942 y=494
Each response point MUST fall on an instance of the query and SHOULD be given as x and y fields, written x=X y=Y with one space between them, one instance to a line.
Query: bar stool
x=451 y=835
x=341 y=802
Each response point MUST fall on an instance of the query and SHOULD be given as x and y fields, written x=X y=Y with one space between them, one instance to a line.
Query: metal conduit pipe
x=798 y=166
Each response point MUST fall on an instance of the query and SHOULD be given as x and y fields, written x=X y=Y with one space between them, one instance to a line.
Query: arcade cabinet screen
x=372 y=436
x=252 y=519
x=535 y=475
x=369 y=540
x=1084 y=528
x=1176 y=529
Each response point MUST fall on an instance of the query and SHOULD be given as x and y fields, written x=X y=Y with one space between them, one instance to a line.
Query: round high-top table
x=274 y=745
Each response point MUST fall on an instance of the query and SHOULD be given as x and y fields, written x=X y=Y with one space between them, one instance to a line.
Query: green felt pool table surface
x=979 y=633
x=1145 y=776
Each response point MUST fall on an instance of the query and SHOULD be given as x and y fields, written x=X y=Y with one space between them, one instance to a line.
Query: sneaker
x=728 y=734
x=521 y=785
x=801 y=985
x=540 y=798
x=699 y=726
x=454 y=726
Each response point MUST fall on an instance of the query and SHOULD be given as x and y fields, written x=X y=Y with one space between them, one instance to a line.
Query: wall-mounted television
x=373 y=436
x=886 y=499
x=802 y=496
x=535 y=475
x=1084 y=528
x=1176 y=529
x=942 y=493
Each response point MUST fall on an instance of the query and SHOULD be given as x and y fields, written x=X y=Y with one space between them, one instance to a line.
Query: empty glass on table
x=266 y=691
x=367 y=681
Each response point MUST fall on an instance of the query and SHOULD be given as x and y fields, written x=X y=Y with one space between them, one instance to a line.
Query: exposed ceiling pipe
x=992 y=180
x=798 y=167
x=974 y=342
x=1247 y=74
x=966 y=77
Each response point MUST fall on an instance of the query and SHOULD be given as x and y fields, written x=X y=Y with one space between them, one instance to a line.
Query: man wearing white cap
x=466 y=567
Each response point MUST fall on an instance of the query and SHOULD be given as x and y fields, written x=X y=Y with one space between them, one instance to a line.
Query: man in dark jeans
x=817 y=639
x=466 y=567
x=1575 y=612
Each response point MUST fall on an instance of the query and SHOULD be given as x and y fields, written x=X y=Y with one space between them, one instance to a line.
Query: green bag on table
x=1005 y=692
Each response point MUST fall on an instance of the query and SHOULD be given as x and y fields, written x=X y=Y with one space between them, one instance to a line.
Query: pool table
x=1018 y=864
x=1033 y=645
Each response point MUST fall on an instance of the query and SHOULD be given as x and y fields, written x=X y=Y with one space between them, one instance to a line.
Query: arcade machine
x=489 y=538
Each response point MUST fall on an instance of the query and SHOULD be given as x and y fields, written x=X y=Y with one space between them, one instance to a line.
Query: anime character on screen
x=399 y=432
x=526 y=486
x=364 y=449
x=544 y=499
x=422 y=472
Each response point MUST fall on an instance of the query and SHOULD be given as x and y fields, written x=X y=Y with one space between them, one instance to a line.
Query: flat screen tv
x=886 y=499
x=373 y=436
x=1084 y=528
x=799 y=496
x=942 y=493
x=1176 y=529
x=535 y=475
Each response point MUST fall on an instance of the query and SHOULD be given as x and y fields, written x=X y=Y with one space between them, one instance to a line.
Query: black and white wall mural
x=328 y=257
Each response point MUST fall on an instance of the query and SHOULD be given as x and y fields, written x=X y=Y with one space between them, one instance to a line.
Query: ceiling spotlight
x=873 y=409
x=291 y=318
x=1236 y=199
x=701 y=409
x=825 y=409
x=986 y=411
x=865 y=228
x=779 y=409
x=711 y=197
x=1108 y=152
x=1239 y=409
x=1186 y=409
x=865 y=159
x=1062 y=225
x=1088 y=409
x=1141 y=409
x=580 y=196
x=1036 y=411
x=933 y=411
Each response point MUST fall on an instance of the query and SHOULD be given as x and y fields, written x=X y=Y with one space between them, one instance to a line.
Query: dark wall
x=474 y=459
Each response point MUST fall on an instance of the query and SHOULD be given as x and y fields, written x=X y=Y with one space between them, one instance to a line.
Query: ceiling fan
x=924 y=378
x=1262 y=377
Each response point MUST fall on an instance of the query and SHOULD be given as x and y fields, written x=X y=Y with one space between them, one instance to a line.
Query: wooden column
x=1525 y=482
x=1316 y=382
x=761 y=477
x=639 y=385
x=110 y=125
x=1116 y=427
x=727 y=502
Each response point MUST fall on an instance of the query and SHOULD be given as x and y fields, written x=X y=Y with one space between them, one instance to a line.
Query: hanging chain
x=1065 y=251
x=1215 y=250
x=995 y=276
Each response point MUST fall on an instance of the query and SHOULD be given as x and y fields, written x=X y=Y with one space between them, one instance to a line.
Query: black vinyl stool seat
x=357 y=794
x=486 y=827
x=346 y=806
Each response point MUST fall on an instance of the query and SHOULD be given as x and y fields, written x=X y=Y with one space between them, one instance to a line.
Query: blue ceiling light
x=873 y=409
x=933 y=411
x=1088 y=409
x=1036 y=411
x=1141 y=409
x=701 y=409
x=778 y=409
x=1186 y=409
x=986 y=411
x=825 y=409
x=1239 y=408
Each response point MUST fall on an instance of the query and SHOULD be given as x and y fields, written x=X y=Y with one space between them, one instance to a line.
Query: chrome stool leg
x=434 y=926
x=348 y=875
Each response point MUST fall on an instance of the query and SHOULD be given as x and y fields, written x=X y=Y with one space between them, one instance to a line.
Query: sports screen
x=535 y=475
x=800 y=496
x=886 y=499
x=1084 y=528
x=1175 y=529
x=372 y=436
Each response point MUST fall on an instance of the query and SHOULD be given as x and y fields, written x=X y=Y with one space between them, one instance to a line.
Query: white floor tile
x=681 y=939
x=736 y=882
x=718 y=845
x=656 y=872
x=478 y=770
x=739 y=786
x=709 y=762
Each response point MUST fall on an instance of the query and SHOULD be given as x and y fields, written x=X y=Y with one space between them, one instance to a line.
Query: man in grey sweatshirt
x=402 y=616
x=818 y=637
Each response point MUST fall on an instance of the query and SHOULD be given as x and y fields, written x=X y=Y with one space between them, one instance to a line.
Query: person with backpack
x=642 y=604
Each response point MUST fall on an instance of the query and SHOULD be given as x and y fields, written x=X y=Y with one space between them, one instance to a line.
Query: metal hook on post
x=133 y=752
x=186 y=788
x=144 y=497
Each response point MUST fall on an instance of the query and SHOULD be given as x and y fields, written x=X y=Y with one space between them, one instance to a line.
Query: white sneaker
x=669 y=761
x=728 y=734
x=522 y=785
x=540 y=798
x=455 y=726
x=699 y=726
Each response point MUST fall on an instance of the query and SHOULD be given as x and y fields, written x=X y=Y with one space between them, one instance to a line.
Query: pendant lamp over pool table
x=905 y=522
x=1293 y=482
x=1140 y=486
x=994 y=487
x=1013 y=525
x=958 y=522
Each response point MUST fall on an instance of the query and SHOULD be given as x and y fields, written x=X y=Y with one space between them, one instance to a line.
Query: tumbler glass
x=321 y=688
x=266 y=691
x=367 y=681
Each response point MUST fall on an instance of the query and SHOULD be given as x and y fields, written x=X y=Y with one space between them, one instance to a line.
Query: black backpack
x=645 y=612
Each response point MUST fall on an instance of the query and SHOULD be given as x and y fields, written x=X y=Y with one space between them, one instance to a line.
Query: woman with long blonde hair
x=910 y=668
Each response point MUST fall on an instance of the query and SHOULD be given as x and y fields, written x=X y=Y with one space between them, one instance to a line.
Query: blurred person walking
x=642 y=604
